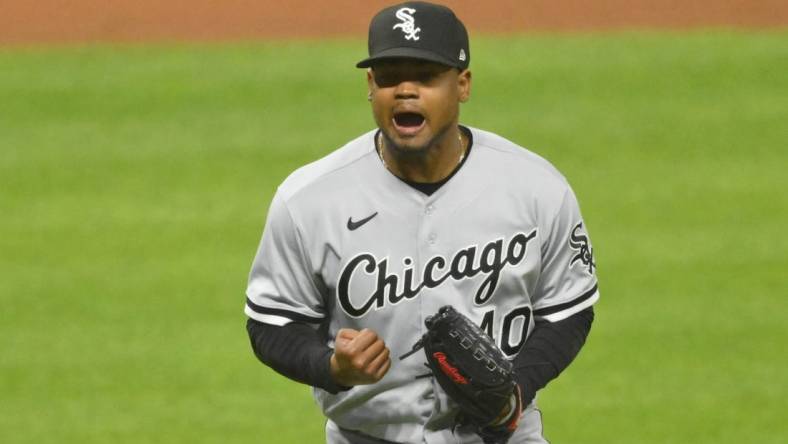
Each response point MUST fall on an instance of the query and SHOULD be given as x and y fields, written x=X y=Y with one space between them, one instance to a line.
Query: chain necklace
x=379 y=149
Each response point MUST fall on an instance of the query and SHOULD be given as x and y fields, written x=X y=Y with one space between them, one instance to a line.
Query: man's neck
x=432 y=165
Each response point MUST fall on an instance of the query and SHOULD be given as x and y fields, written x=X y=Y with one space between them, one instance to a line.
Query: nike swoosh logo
x=355 y=225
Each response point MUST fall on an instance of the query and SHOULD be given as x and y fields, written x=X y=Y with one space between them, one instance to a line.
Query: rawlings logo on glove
x=447 y=368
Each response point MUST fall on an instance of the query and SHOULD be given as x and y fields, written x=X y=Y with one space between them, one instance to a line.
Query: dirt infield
x=46 y=21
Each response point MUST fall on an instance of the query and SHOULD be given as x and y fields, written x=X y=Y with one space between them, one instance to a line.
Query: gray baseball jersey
x=348 y=245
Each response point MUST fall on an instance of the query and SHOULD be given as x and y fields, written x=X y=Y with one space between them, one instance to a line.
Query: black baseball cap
x=418 y=30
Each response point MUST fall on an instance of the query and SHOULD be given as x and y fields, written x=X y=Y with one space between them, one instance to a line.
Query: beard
x=413 y=153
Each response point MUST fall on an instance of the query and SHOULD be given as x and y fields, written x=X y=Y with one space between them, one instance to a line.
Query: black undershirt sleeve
x=549 y=350
x=295 y=351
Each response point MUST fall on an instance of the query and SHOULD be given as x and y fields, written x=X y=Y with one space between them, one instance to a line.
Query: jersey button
x=429 y=210
x=432 y=238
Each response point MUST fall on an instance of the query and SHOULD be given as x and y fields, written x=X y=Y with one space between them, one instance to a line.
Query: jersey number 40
x=513 y=329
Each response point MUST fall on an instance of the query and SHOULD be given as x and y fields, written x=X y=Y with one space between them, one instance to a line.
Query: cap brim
x=407 y=53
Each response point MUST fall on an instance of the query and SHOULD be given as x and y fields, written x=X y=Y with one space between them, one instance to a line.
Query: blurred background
x=141 y=143
x=56 y=21
x=145 y=20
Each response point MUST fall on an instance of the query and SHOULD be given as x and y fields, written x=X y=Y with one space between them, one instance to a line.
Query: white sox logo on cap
x=408 y=23
x=396 y=33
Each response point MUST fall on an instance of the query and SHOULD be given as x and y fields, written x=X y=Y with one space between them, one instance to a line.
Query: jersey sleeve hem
x=276 y=316
x=562 y=311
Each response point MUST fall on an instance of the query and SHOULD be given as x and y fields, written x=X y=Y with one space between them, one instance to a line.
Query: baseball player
x=362 y=245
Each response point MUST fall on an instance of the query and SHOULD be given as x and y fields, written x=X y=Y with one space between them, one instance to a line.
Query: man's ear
x=464 y=80
x=370 y=83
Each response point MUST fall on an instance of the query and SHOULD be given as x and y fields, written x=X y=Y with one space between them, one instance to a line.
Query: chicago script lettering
x=391 y=288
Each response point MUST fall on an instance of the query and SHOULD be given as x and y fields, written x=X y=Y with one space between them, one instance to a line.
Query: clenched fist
x=360 y=357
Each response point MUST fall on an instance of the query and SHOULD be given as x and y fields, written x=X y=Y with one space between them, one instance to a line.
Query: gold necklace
x=379 y=149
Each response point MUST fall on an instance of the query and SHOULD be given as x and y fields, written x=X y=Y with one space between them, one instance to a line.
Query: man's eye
x=387 y=79
x=425 y=77
x=382 y=79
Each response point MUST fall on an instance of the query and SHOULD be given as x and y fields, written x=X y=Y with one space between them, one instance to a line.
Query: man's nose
x=406 y=89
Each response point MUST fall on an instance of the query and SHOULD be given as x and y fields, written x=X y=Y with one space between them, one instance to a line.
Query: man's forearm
x=550 y=349
x=295 y=351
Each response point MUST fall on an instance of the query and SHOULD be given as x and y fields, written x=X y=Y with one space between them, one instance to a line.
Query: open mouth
x=408 y=121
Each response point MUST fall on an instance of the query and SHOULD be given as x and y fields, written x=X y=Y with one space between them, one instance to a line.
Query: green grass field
x=134 y=181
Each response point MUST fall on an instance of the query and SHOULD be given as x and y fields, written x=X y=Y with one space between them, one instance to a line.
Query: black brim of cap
x=407 y=53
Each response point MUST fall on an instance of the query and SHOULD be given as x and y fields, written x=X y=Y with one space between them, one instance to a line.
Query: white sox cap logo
x=408 y=23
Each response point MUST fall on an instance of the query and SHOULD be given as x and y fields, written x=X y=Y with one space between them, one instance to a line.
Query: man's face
x=416 y=102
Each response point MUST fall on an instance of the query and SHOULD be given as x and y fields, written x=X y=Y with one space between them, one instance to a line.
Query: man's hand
x=474 y=372
x=360 y=357
x=510 y=415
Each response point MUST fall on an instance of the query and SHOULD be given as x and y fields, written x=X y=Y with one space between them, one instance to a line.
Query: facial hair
x=415 y=152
